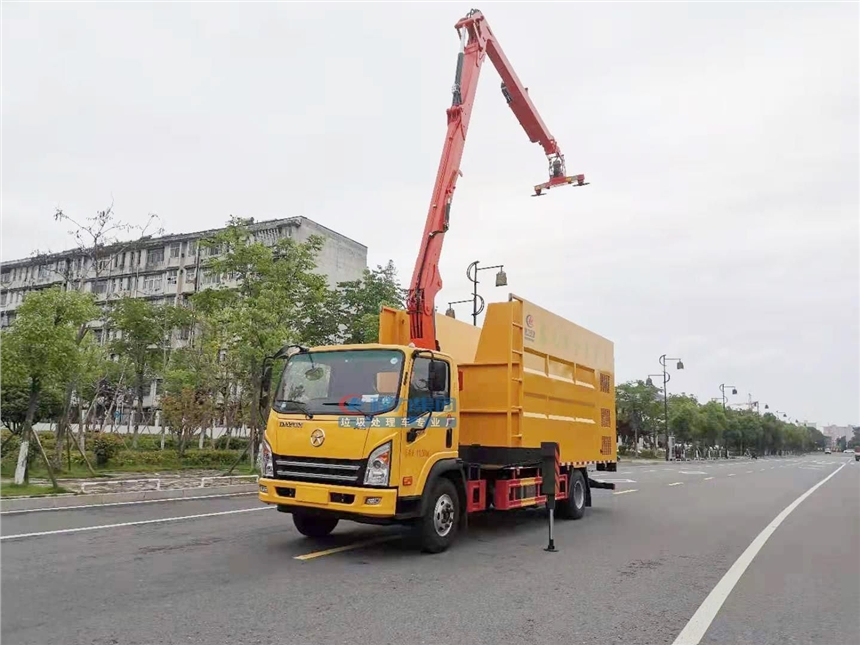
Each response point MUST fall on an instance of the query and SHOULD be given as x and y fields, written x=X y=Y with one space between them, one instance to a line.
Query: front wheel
x=573 y=507
x=314 y=526
x=438 y=526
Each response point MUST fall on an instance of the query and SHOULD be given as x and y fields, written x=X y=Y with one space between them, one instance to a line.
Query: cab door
x=429 y=430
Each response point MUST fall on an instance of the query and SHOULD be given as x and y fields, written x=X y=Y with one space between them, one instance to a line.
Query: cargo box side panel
x=484 y=409
x=569 y=387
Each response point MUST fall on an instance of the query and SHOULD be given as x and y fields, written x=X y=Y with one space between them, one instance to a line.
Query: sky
x=720 y=141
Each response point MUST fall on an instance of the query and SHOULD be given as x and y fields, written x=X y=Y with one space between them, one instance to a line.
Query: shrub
x=104 y=447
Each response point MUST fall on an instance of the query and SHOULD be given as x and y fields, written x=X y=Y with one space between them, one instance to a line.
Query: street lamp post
x=472 y=275
x=450 y=311
x=666 y=377
x=723 y=387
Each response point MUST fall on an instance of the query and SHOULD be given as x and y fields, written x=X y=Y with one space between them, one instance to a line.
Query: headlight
x=378 y=466
x=268 y=466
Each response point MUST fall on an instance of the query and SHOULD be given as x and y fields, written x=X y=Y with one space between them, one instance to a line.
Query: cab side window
x=422 y=395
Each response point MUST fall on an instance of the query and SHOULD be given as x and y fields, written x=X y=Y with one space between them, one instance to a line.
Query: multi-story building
x=165 y=269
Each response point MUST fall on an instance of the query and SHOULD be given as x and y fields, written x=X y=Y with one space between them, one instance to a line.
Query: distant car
x=848 y=451
x=827 y=451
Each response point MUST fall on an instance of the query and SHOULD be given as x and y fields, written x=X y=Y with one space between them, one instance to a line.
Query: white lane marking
x=651 y=471
x=762 y=470
x=697 y=626
x=143 y=501
x=707 y=478
x=692 y=472
x=624 y=492
x=677 y=484
x=748 y=472
x=731 y=475
x=615 y=481
x=138 y=523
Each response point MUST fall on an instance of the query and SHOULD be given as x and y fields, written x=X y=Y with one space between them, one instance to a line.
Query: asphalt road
x=633 y=571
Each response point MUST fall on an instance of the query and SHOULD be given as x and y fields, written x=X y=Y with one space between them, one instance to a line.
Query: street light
x=666 y=377
x=472 y=275
x=723 y=387
x=450 y=311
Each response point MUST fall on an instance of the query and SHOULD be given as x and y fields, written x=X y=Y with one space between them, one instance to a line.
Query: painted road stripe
x=695 y=629
x=624 y=492
x=348 y=547
x=731 y=475
x=707 y=478
x=143 y=501
x=692 y=472
x=748 y=472
x=615 y=481
x=677 y=484
x=138 y=523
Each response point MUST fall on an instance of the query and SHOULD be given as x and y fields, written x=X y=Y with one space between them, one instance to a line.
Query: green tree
x=362 y=300
x=144 y=339
x=683 y=416
x=638 y=410
x=275 y=298
x=42 y=349
x=14 y=400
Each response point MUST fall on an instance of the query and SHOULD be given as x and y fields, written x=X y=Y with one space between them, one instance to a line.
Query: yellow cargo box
x=527 y=376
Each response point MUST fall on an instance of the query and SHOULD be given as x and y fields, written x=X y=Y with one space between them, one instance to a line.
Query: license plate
x=312 y=495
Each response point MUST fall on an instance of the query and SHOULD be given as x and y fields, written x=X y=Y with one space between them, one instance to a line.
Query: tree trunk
x=29 y=432
x=139 y=409
x=63 y=423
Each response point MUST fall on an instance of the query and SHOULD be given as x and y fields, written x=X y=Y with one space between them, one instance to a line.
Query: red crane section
x=476 y=42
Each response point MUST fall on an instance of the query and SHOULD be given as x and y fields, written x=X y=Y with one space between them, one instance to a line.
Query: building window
x=100 y=286
x=211 y=278
x=172 y=277
x=2 y=298
x=175 y=248
x=43 y=271
x=184 y=333
x=154 y=257
x=152 y=284
x=104 y=264
x=210 y=251
x=192 y=248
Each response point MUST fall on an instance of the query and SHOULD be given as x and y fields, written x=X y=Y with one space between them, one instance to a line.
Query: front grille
x=344 y=472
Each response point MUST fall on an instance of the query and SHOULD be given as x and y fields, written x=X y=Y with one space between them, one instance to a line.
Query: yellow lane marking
x=624 y=492
x=348 y=547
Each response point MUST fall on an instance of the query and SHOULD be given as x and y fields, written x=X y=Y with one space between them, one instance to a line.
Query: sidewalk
x=134 y=487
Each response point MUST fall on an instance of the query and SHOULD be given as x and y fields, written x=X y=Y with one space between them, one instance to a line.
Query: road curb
x=71 y=501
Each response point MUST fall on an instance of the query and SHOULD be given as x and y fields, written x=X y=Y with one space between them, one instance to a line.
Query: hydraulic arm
x=476 y=42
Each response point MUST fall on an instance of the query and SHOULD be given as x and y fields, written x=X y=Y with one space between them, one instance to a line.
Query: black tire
x=314 y=526
x=573 y=507
x=438 y=527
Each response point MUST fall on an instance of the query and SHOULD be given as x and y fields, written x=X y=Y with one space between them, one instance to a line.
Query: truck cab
x=356 y=431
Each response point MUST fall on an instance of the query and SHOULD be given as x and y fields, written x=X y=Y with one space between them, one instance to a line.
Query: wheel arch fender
x=451 y=469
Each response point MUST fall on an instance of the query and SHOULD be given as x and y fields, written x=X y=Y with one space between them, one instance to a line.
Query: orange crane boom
x=476 y=42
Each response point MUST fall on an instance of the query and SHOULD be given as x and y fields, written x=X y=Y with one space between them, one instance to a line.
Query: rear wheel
x=314 y=525
x=437 y=528
x=573 y=507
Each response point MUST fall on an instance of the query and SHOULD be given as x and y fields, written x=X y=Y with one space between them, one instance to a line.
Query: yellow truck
x=393 y=433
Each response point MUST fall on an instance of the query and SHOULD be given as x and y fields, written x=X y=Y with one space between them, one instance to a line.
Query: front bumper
x=326 y=497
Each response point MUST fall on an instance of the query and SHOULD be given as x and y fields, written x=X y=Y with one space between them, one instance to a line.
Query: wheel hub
x=443 y=515
x=578 y=494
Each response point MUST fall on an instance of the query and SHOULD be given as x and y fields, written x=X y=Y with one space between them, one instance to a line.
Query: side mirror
x=438 y=376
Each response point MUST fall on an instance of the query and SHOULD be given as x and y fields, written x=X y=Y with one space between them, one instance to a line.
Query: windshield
x=364 y=381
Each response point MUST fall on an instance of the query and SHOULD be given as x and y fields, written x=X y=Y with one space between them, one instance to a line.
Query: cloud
x=721 y=142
